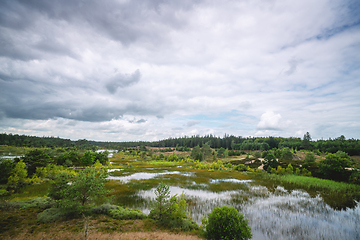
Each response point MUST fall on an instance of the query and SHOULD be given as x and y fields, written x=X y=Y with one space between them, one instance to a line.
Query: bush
x=171 y=211
x=227 y=223
x=126 y=214
x=50 y=215
x=309 y=157
x=3 y=192
x=271 y=161
x=42 y=203
x=240 y=167
x=257 y=154
x=355 y=177
x=286 y=154
x=103 y=209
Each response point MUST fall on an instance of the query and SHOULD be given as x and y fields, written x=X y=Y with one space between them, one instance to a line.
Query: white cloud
x=270 y=121
x=76 y=67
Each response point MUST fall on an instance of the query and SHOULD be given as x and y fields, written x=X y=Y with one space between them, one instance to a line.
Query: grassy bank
x=21 y=224
x=338 y=195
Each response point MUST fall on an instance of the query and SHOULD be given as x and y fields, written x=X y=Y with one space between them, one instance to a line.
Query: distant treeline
x=350 y=146
x=44 y=142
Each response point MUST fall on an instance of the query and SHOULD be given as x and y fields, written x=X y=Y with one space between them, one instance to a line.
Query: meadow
x=277 y=206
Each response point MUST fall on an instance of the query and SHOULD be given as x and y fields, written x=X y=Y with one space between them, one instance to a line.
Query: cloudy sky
x=129 y=70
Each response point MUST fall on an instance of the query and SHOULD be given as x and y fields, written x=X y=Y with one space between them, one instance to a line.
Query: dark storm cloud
x=53 y=46
x=125 y=22
x=123 y=80
x=30 y=99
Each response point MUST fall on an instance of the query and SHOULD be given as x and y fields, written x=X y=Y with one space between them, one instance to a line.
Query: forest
x=350 y=146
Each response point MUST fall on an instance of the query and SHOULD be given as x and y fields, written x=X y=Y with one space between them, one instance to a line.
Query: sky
x=122 y=70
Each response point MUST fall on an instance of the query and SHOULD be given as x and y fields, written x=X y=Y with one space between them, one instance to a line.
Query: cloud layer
x=147 y=70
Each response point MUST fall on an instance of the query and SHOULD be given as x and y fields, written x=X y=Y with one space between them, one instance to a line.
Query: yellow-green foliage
x=97 y=164
x=280 y=170
x=289 y=169
x=211 y=166
x=18 y=174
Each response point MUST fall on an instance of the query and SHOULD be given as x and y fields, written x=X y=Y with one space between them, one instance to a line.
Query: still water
x=272 y=213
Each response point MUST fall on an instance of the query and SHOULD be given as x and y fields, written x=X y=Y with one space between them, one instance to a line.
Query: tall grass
x=312 y=183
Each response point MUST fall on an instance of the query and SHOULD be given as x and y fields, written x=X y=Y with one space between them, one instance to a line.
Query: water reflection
x=140 y=176
x=273 y=213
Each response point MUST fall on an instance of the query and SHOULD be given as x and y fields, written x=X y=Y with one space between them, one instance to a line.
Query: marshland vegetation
x=280 y=191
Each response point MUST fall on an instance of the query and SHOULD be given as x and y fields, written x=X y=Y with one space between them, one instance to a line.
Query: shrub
x=290 y=169
x=240 y=167
x=271 y=161
x=3 y=192
x=309 y=157
x=355 y=177
x=42 y=203
x=103 y=209
x=126 y=214
x=257 y=154
x=280 y=170
x=50 y=215
x=227 y=223
x=286 y=154
x=171 y=211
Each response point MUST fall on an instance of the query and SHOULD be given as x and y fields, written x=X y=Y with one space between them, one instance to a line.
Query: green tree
x=36 y=158
x=197 y=154
x=206 y=150
x=228 y=224
x=68 y=159
x=85 y=188
x=306 y=141
x=59 y=185
x=88 y=158
x=333 y=166
x=173 y=158
x=221 y=153
x=289 y=169
x=162 y=202
x=310 y=157
x=18 y=175
x=270 y=160
x=286 y=154
x=171 y=211
x=6 y=167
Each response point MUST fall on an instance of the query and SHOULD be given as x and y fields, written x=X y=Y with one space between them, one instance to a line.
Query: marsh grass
x=29 y=191
x=338 y=195
x=312 y=183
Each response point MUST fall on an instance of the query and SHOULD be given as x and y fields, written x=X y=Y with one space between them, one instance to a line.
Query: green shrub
x=355 y=177
x=103 y=209
x=228 y=165
x=309 y=157
x=50 y=215
x=3 y=192
x=240 y=167
x=42 y=203
x=228 y=224
x=257 y=154
x=290 y=169
x=171 y=211
x=286 y=154
x=126 y=214
x=271 y=161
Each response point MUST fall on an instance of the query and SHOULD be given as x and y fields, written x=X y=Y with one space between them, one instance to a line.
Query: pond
x=273 y=213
